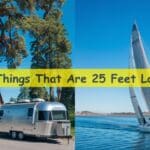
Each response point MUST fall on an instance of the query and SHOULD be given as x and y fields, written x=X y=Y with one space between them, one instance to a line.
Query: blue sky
x=102 y=40
x=100 y=31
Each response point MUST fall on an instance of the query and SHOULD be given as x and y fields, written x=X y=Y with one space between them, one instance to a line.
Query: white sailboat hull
x=145 y=128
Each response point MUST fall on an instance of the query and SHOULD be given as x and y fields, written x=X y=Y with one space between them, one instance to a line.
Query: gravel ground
x=35 y=144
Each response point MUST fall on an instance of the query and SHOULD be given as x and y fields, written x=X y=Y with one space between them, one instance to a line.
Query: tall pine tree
x=50 y=47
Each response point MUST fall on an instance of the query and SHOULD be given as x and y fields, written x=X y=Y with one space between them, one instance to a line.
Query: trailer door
x=43 y=123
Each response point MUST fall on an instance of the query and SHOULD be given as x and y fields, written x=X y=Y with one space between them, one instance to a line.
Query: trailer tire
x=20 y=136
x=13 y=134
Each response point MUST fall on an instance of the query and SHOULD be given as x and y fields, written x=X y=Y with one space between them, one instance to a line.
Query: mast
x=140 y=59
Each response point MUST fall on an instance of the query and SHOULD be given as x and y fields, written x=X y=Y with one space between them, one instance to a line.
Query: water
x=110 y=133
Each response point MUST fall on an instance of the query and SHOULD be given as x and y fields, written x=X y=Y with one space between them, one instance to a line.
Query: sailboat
x=138 y=59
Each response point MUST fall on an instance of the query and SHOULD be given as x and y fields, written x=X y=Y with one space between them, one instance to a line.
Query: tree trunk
x=59 y=93
x=1 y=100
x=51 y=94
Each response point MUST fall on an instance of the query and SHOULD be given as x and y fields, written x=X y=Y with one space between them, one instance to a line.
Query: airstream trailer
x=40 y=119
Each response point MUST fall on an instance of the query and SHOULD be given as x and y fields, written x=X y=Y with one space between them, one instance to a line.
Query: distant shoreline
x=125 y=114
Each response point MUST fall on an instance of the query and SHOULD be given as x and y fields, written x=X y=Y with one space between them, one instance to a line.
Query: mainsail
x=136 y=106
x=137 y=109
x=140 y=59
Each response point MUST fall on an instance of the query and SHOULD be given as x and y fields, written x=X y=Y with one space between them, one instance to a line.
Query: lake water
x=110 y=133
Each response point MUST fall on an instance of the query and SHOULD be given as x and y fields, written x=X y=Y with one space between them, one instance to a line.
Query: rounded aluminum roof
x=37 y=100
x=23 y=101
x=48 y=106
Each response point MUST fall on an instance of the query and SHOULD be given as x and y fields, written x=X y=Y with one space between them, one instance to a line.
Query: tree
x=1 y=100
x=12 y=100
x=12 y=45
x=58 y=47
x=68 y=99
x=50 y=47
x=39 y=92
x=24 y=93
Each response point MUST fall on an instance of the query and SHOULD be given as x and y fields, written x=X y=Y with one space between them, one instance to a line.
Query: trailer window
x=43 y=115
x=1 y=113
x=30 y=112
x=59 y=115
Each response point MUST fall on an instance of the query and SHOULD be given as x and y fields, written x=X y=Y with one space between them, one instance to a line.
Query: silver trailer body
x=41 y=119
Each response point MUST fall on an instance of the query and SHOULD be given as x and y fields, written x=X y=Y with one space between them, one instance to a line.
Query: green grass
x=72 y=131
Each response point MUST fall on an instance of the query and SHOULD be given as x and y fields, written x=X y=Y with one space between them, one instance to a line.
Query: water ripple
x=110 y=133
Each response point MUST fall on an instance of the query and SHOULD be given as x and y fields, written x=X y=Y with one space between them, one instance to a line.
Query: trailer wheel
x=13 y=135
x=20 y=136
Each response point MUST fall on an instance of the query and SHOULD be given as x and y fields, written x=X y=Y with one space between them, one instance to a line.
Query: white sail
x=134 y=100
x=137 y=109
x=140 y=59
x=139 y=55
